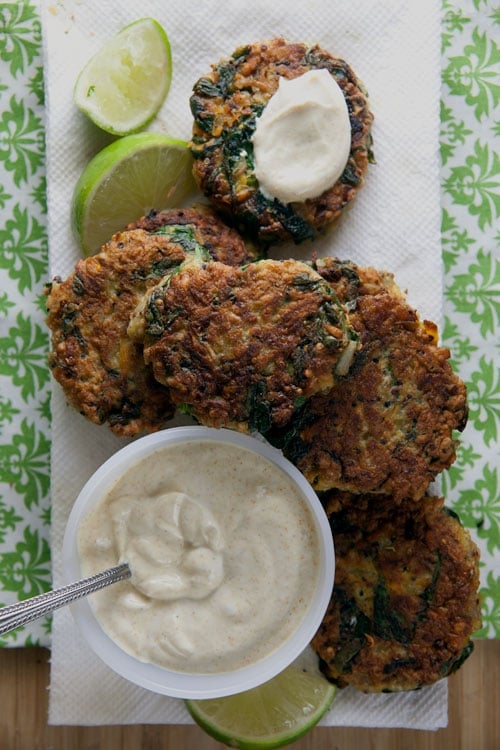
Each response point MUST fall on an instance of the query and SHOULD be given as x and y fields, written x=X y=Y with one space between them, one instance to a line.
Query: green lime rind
x=108 y=195
x=155 y=85
x=229 y=720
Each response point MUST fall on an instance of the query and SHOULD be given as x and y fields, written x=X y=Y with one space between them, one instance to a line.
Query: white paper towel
x=394 y=48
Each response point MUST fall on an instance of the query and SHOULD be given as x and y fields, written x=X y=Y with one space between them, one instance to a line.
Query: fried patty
x=226 y=103
x=221 y=242
x=405 y=601
x=101 y=370
x=243 y=347
x=387 y=426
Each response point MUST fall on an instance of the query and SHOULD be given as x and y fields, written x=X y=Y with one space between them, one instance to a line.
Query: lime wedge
x=124 y=85
x=271 y=715
x=125 y=181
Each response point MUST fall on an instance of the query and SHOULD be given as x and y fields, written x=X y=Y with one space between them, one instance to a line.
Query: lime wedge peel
x=125 y=181
x=269 y=716
x=123 y=86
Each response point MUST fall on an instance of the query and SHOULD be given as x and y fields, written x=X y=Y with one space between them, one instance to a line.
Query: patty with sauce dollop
x=226 y=103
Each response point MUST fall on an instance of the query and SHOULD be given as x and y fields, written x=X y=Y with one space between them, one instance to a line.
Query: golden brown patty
x=101 y=370
x=387 y=427
x=405 y=601
x=225 y=104
x=220 y=241
x=242 y=347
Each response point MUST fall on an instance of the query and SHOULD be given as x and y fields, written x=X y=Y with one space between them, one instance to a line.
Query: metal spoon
x=21 y=613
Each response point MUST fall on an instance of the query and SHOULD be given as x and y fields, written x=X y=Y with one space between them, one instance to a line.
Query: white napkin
x=394 y=224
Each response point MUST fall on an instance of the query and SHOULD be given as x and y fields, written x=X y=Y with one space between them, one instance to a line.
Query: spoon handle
x=23 y=612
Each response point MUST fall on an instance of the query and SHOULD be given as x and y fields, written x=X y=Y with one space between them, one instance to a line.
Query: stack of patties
x=325 y=359
x=101 y=370
x=405 y=602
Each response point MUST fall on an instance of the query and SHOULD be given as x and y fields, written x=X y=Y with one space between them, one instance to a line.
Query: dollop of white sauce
x=172 y=544
x=302 y=139
x=223 y=552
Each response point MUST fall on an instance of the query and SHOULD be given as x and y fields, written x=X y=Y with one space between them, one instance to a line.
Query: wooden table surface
x=474 y=711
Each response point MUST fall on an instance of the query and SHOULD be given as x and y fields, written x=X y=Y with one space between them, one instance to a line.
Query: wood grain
x=474 y=712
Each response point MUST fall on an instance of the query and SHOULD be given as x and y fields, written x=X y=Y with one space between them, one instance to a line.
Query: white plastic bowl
x=182 y=684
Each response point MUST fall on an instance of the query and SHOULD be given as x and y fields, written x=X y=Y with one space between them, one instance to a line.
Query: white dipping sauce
x=223 y=552
x=302 y=139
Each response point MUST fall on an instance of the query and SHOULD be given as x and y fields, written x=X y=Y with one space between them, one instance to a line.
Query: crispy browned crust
x=101 y=370
x=240 y=347
x=221 y=242
x=387 y=427
x=225 y=104
x=405 y=601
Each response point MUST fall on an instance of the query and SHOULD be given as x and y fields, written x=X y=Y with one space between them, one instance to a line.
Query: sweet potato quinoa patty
x=387 y=426
x=405 y=601
x=226 y=103
x=243 y=347
x=101 y=370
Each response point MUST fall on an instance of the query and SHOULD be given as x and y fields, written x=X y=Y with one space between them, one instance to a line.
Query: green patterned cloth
x=471 y=208
x=470 y=148
x=24 y=377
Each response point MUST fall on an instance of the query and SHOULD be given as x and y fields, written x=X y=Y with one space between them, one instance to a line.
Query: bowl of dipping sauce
x=231 y=555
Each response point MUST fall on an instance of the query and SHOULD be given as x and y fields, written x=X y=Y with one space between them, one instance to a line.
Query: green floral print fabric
x=24 y=377
x=470 y=148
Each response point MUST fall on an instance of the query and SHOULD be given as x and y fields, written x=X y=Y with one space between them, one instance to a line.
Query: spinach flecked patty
x=225 y=105
x=244 y=347
x=101 y=370
x=388 y=426
x=405 y=601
